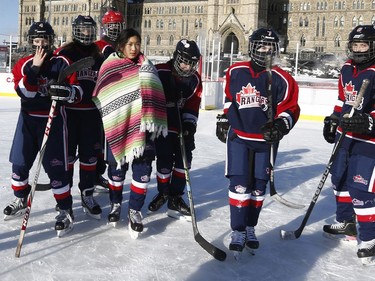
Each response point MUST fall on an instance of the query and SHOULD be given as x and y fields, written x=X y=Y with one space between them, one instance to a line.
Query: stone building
x=214 y=23
x=318 y=26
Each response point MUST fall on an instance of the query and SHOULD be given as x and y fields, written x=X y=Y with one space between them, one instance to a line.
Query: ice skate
x=135 y=223
x=64 y=222
x=178 y=209
x=114 y=215
x=101 y=184
x=237 y=244
x=157 y=202
x=16 y=208
x=342 y=231
x=252 y=242
x=366 y=252
x=91 y=207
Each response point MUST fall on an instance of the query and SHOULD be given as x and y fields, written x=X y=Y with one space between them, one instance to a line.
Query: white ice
x=166 y=251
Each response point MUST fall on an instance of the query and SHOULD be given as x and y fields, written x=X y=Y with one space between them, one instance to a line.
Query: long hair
x=124 y=36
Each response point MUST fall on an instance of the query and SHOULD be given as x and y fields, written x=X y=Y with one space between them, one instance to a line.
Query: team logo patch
x=249 y=97
x=357 y=202
x=351 y=94
x=360 y=179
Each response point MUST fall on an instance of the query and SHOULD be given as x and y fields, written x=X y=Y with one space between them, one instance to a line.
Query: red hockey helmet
x=113 y=23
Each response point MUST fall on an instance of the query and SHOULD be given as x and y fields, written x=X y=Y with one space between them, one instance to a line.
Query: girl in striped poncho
x=131 y=100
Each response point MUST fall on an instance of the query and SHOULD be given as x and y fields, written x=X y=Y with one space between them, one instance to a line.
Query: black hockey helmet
x=41 y=29
x=260 y=38
x=363 y=34
x=84 y=30
x=186 y=57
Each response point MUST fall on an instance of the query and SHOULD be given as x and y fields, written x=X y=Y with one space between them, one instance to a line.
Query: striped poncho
x=130 y=98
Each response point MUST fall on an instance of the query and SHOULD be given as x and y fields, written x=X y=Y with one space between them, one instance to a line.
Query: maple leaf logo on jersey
x=43 y=86
x=249 y=96
x=359 y=179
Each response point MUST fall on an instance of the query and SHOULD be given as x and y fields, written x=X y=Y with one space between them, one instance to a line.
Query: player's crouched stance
x=34 y=77
x=249 y=132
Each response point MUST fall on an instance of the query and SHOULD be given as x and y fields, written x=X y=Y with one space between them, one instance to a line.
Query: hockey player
x=127 y=78
x=113 y=23
x=353 y=170
x=33 y=79
x=84 y=121
x=251 y=132
x=182 y=87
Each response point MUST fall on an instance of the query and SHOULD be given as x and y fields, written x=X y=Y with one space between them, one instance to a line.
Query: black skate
x=91 y=207
x=252 y=242
x=16 y=208
x=178 y=209
x=159 y=200
x=345 y=231
x=237 y=244
x=135 y=223
x=114 y=215
x=64 y=222
x=366 y=252
x=101 y=184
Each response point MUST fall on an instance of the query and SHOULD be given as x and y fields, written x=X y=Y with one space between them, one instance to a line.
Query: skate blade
x=133 y=234
x=341 y=238
x=113 y=223
x=368 y=261
x=16 y=215
x=237 y=255
x=250 y=251
x=177 y=215
x=63 y=232
x=94 y=216
x=101 y=189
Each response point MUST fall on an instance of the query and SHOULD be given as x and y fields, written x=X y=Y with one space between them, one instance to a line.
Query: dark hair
x=124 y=37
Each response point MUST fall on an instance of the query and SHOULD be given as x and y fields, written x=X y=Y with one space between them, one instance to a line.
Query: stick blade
x=288 y=235
x=285 y=202
x=211 y=249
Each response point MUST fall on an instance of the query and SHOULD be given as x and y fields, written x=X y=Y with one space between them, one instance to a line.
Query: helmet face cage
x=112 y=30
x=260 y=57
x=113 y=23
x=362 y=34
x=84 y=30
x=41 y=30
x=263 y=37
x=184 y=66
x=186 y=58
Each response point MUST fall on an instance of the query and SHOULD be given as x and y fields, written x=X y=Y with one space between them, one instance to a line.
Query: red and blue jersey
x=246 y=99
x=350 y=82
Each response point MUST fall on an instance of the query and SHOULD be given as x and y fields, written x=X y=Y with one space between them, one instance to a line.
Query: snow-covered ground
x=166 y=251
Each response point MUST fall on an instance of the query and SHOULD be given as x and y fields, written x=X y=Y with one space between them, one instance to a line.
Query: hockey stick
x=85 y=62
x=273 y=193
x=210 y=248
x=291 y=235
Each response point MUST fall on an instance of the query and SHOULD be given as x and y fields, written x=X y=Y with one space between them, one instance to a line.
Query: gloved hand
x=329 y=130
x=61 y=92
x=222 y=127
x=361 y=123
x=274 y=131
x=188 y=130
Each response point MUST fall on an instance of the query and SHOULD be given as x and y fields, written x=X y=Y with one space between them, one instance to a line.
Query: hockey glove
x=188 y=131
x=274 y=131
x=222 y=127
x=62 y=92
x=361 y=123
x=329 y=130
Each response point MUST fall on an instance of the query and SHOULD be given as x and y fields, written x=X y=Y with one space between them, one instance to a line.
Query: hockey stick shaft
x=297 y=233
x=210 y=248
x=273 y=193
x=85 y=62
x=35 y=181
